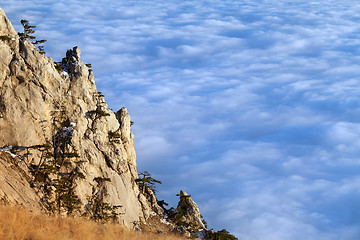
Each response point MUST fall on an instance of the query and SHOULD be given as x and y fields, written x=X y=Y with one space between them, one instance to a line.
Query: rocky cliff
x=34 y=92
x=63 y=151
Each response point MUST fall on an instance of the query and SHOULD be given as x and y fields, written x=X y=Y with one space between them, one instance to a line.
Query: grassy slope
x=19 y=224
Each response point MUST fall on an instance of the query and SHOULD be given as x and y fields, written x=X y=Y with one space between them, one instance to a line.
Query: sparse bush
x=5 y=38
x=101 y=180
x=114 y=136
x=41 y=49
x=59 y=67
x=221 y=235
x=101 y=113
x=4 y=200
x=100 y=95
x=89 y=66
x=98 y=112
x=203 y=221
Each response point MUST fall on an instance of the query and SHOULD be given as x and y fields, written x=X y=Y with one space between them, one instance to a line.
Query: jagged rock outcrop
x=56 y=127
x=33 y=89
x=190 y=213
x=187 y=219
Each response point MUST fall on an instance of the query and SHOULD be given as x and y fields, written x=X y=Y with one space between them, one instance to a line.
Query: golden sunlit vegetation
x=19 y=224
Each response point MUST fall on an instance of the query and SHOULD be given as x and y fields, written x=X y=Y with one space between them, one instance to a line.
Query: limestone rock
x=124 y=119
x=35 y=93
x=5 y=25
x=190 y=211
x=14 y=182
x=32 y=92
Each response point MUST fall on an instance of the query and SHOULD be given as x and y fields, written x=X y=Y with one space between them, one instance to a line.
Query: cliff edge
x=63 y=151
x=35 y=96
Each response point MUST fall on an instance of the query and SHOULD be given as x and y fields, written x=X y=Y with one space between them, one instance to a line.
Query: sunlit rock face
x=33 y=89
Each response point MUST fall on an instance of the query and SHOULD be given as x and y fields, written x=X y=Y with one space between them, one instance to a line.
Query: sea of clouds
x=252 y=107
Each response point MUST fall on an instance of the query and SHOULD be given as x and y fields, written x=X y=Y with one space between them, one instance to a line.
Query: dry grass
x=19 y=224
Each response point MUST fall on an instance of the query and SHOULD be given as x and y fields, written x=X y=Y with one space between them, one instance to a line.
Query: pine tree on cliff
x=29 y=30
x=146 y=181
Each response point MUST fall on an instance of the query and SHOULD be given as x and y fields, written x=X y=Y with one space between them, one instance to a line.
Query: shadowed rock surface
x=190 y=210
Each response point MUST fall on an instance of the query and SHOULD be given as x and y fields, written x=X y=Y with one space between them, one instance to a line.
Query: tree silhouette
x=146 y=181
x=29 y=30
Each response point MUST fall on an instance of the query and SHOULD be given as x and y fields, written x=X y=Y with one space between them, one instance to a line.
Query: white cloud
x=252 y=106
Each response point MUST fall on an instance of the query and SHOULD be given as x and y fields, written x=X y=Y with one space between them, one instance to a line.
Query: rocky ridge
x=32 y=91
x=46 y=105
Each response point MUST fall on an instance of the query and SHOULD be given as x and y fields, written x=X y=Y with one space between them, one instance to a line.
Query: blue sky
x=250 y=106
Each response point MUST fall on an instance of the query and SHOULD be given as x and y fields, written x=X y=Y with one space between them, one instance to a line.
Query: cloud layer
x=252 y=107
